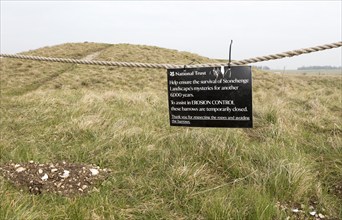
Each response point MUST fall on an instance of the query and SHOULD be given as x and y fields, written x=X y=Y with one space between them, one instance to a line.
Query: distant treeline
x=262 y=67
x=319 y=68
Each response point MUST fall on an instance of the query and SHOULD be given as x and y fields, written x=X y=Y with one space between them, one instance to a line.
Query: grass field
x=117 y=118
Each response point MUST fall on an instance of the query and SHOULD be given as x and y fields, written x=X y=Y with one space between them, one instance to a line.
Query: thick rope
x=289 y=53
x=175 y=66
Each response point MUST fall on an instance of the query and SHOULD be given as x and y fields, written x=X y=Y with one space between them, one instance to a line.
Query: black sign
x=211 y=97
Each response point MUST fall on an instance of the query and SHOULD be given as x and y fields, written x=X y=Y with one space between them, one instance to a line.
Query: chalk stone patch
x=61 y=177
x=302 y=211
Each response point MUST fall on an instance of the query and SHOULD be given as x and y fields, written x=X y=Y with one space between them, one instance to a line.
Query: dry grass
x=118 y=118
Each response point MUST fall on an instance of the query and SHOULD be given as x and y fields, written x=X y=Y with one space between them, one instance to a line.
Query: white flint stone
x=94 y=172
x=313 y=213
x=40 y=171
x=295 y=210
x=45 y=177
x=321 y=215
x=20 y=169
x=17 y=165
x=31 y=161
x=53 y=170
x=65 y=174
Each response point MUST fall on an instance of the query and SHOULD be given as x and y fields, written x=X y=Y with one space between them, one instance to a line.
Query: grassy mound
x=118 y=118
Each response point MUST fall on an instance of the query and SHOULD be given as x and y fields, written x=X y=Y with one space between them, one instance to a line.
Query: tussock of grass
x=118 y=118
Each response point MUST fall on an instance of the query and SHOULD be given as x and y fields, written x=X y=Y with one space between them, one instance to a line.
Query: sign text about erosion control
x=210 y=97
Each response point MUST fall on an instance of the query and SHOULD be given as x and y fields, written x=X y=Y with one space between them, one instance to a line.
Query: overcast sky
x=202 y=27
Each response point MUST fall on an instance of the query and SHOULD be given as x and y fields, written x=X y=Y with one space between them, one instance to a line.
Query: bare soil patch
x=92 y=56
x=61 y=177
x=338 y=189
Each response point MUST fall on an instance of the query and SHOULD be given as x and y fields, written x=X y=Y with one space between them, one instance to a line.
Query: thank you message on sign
x=210 y=97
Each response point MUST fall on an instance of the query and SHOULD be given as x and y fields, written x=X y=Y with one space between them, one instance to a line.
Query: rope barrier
x=289 y=53
x=175 y=66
